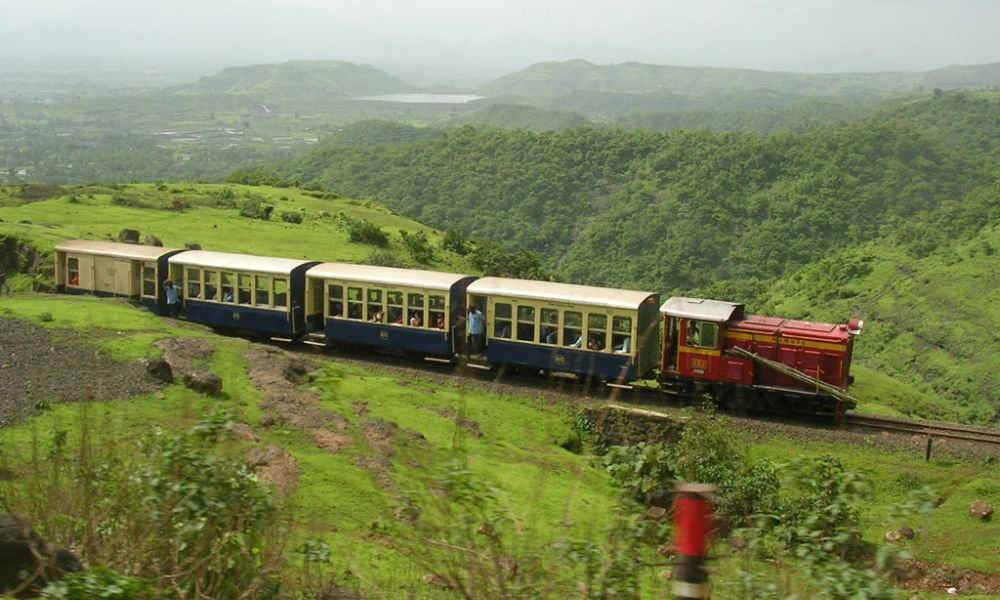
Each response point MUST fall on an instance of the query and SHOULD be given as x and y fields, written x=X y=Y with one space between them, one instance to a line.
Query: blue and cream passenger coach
x=241 y=291
x=114 y=269
x=384 y=307
x=597 y=332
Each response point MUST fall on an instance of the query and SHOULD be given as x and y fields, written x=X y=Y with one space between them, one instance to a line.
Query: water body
x=425 y=98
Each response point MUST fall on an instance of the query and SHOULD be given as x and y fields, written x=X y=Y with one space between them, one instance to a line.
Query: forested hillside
x=722 y=214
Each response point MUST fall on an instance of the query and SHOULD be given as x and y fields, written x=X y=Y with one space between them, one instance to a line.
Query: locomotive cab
x=693 y=332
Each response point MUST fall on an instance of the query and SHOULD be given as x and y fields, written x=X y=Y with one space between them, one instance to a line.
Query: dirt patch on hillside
x=921 y=575
x=37 y=370
x=185 y=354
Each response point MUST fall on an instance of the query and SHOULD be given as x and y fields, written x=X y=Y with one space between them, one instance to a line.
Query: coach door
x=671 y=347
x=123 y=278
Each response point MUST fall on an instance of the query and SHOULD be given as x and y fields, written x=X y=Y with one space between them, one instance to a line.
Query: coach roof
x=386 y=276
x=238 y=262
x=559 y=292
x=114 y=249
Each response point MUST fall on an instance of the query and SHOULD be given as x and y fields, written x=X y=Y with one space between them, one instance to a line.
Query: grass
x=550 y=494
x=88 y=212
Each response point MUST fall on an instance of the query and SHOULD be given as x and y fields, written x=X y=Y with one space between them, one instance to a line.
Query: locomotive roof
x=114 y=249
x=238 y=262
x=701 y=309
x=389 y=276
x=560 y=292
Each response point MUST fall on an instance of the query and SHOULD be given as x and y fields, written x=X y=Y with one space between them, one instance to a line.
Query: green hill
x=552 y=79
x=726 y=215
x=299 y=79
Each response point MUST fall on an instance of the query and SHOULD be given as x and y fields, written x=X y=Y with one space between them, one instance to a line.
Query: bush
x=366 y=232
x=256 y=207
x=290 y=216
x=419 y=246
x=98 y=583
x=455 y=242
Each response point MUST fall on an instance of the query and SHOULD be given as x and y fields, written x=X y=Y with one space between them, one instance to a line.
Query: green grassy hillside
x=42 y=216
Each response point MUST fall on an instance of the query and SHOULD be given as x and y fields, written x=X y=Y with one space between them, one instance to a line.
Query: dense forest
x=676 y=210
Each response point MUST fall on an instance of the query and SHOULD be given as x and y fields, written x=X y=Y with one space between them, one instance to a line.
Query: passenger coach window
x=246 y=288
x=621 y=334
x=335 y=300
x=73 y=271
x=702 y=334
x=194 y=283
x=573 y=329
x=149 y=279
x=262 y=290
x=280 y=293
x=501 y=320
x=526 y=323
x=550 y=326
x=375 y=306
x=435 y=316
x=597 y=331
x=211 y=285
x=355 y=304
x=416 y=310
x=228 y=285
x=394 y=300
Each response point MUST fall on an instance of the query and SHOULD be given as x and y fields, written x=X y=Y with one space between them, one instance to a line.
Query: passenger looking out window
x=597 y=331
x=550 y=326
x=335 y=300
x=73 y=271
x=502 y=320
x=573 y=329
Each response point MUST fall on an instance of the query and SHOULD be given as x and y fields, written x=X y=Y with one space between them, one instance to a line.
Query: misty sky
x=796 y=35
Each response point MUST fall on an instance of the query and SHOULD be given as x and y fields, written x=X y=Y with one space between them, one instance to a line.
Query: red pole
x=693 y=523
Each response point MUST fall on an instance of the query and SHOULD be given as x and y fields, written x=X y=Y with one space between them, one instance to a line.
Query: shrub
x=256 y=207
x=98 y=583
x=418 y=245
x=290 y=216
x=455 y=242
x=366 y=232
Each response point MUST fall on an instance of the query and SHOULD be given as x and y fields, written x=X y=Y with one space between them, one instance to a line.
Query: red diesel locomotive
x=755 y=362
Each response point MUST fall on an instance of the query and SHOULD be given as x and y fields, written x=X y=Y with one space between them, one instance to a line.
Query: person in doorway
x=477 y=331
x=173 y=298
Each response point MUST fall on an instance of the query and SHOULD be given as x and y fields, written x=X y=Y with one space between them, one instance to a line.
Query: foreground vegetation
x=440 y=488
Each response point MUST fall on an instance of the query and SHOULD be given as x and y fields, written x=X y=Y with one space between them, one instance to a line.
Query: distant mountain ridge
x=553 y=79
x=300 y=78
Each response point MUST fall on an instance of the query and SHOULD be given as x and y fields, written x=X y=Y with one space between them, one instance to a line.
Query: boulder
x=27 y=562
x=204 y=382
x=152 y=240
x=655 y=513
x=192 y=245
x=981 y=510
x=160 y=370
x=129 y=236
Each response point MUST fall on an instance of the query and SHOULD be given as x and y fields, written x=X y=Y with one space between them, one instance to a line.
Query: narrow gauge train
x=689 y=346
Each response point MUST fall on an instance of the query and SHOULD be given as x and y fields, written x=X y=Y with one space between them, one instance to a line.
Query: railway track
x=929 y=429
x=640 y=401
